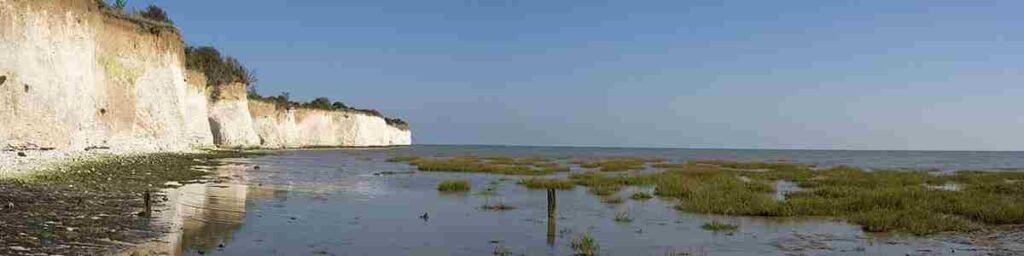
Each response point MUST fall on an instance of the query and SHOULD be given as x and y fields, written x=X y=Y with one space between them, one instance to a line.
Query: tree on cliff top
x=120 y=4
x=320 y=103
x=155 y=13
x=219 y=70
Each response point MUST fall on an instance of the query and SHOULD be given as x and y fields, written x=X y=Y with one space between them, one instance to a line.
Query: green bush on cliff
x=284 y=101
x=219 y=70
x=155 y=13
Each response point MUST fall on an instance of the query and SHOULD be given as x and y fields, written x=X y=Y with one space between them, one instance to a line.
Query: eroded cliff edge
x=74 y=76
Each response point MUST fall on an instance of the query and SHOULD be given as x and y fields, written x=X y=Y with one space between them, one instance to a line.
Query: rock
x=18 y=248
x=22 y=154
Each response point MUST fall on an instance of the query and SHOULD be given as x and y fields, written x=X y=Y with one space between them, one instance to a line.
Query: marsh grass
x=612 y=200
x=879 y=201
x=605 y=190
x=585 y=246
x=623 y=217
x=716 y=226
x=641 y=196
x=403 y=159
x=539 y=183
x=501 y=250
x=616 y=164
x=494 y=165
x=453 y=186
x=497 y=207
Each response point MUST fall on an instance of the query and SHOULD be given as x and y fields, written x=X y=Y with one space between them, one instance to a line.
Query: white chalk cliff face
x=229 y=118
x=282 y=127
x=74 y=77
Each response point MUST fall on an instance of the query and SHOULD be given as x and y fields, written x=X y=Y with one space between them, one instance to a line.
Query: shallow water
x=337 y=202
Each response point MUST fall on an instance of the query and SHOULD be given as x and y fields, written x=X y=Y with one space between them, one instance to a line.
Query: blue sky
x=936 y=75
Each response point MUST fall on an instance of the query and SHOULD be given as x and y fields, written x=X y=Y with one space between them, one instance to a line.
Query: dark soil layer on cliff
x=91 y=207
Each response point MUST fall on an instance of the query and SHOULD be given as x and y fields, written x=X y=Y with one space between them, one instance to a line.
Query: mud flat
x=96 y=205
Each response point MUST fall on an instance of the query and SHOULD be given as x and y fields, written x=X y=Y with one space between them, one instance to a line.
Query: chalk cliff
x=280 y=126
x=75 y=76
x=229 y=117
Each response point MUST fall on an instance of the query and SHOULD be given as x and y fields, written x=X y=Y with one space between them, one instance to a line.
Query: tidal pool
x=354 y=202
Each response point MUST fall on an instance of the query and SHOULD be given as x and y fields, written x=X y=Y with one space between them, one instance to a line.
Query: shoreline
x=17 y=163
x=92 y=203
x=95 y=205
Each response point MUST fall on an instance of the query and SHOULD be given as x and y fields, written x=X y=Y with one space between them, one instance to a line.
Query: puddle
x=782 y=188
x=947 y=187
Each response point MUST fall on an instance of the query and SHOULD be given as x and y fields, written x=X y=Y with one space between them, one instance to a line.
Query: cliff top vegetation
x=284 y=101
x=219 y=69
x=152 y=18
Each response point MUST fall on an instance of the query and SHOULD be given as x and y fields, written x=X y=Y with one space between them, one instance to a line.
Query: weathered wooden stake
x=149 y=207
x=552 y=206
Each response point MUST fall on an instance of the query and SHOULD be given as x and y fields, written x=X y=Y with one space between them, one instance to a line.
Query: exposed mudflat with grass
x=431 y=200
x=94 y=206
x=420 y=201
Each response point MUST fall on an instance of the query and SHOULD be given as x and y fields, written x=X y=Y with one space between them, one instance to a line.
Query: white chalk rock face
x=230 y=123
x=73 y=77
x=197 y=109
x=289 y=127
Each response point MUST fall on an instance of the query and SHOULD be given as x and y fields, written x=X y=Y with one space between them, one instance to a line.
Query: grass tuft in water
x=623 y=217
x=501 y=250
x=453 y=186
x=585 y=246
x=641 y=196
x=539 y=183
x=495 y=165
x=497 y=207
x=616 y=164
x=716 y=226
x=612 y=200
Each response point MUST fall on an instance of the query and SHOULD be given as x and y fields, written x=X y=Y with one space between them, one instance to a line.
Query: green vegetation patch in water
x=618 y=164
x=719 y=226
x=453 y=186
x=540 y=183
x=509 y=166
x=585 y=246
x=641 y=196
x=879 y=201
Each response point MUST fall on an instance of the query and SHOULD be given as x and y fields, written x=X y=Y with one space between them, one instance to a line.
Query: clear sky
x=937 y=74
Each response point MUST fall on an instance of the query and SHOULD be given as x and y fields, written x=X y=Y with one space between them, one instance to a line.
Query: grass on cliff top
x=509 y=166
x=90 y=203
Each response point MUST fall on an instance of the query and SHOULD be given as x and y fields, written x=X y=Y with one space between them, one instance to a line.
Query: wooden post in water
x=149 y=207
x=552 y=205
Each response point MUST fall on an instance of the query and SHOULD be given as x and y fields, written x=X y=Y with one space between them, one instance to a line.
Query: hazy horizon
x=884 y=75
